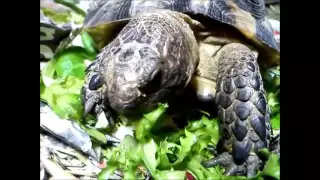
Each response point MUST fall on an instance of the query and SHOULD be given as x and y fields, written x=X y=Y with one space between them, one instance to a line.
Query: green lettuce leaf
x=95 y=134
x=168 y=158
x=146 y=123
x=272 y=167
x=89 y=44
x=62 y=17
x=70 y=62
x=63 y=96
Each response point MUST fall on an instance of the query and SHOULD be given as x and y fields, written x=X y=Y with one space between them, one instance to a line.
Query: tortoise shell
x=105 y=17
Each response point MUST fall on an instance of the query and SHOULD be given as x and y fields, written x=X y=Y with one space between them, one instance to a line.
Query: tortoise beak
x=126 y=101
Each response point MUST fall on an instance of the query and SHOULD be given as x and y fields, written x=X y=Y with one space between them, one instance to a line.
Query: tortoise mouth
x=129 y=109
x=126 y=103
x=139 y=97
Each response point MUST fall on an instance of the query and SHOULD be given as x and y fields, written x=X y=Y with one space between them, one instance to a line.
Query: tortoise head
x=149 y=60
x=134 y=73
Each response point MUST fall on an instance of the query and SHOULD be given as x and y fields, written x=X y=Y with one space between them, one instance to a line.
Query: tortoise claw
x=91 y=100
x=88 y=106
x=212 y=149
x=225 y=159
x=231 y=170
x=253 y=164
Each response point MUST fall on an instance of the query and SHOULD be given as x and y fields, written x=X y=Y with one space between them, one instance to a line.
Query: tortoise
x=150 y=51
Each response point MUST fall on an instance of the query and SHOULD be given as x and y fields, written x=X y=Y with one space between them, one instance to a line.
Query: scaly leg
x=243 y=110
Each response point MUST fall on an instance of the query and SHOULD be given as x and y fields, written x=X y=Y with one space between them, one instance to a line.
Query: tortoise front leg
x=243 y=110
x=93 y=96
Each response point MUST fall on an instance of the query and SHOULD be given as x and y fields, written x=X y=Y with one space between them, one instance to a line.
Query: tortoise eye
x=95 y=82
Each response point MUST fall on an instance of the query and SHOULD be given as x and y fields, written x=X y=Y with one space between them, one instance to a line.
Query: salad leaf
x=47 y=73
x=186 y=144
x=272 y=167
x=149 y=150
x=95 y=134
x=208 y=128
x=63 y=96
x=146 y=123
x=273 y=101
x=107 y=172
x=168 y=158
x=61 y=81
x=131 y=147
x=265 y=152
x=88 y=43
x=201 y=172
x=275 y=122
x=272 y=84
x=163 y=152
x=171 y=175
x=129 y=174
x=70 y=62
x=63 y=17
x=274 y=104
x=126 y=156
x=42 y=87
